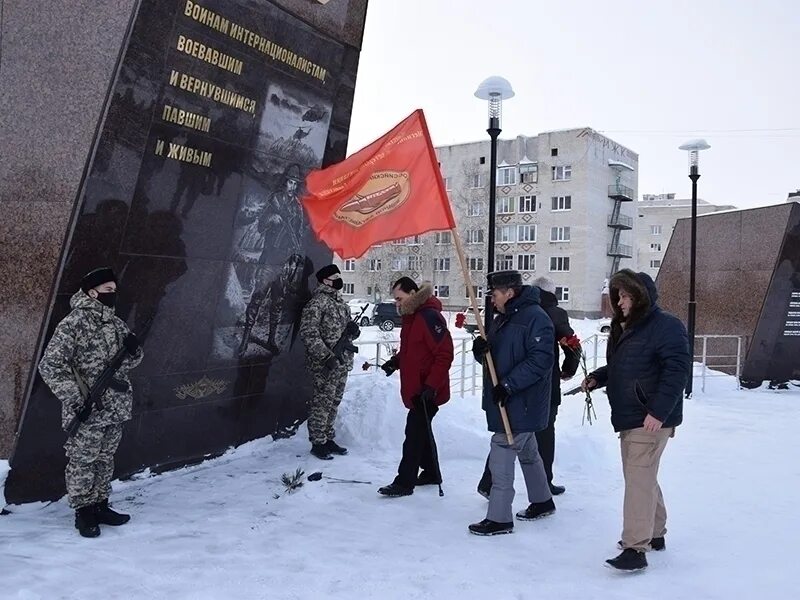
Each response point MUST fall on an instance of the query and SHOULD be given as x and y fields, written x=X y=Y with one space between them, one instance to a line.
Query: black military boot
x=335 y=448
x=321 y=451
x=106 y=516
x=629 y=560
x=557 y=490
x=394 y=490
x=489 y=527
x=537 y=510
x=86 y=522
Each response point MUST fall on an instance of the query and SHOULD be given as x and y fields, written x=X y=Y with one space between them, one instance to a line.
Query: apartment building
x=658 y=214
x=565 y=208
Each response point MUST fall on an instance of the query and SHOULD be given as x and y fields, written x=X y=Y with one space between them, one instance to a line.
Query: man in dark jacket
x=424 y=359
x=647 y=367
x=521 y=343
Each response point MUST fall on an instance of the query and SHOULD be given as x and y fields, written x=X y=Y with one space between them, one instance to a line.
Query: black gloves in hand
x=500 y=395
x=425 y=397
x=479 y=348
x=332 y=362
x=391 y=365
x=352 y=330
x=131 y=344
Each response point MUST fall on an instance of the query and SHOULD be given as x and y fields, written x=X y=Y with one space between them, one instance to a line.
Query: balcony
x=620 y=222
x=622 y=193
x=620 y=250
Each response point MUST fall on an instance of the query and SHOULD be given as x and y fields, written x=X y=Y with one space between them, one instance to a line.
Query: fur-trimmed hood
x=424 y=295
x=641 y=287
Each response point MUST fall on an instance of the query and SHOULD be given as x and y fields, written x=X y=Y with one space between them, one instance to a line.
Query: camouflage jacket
x=87 y=339
x=322 y=324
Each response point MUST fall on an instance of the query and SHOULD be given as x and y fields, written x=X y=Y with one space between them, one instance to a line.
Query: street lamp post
x=495 y=90
x=693 y=147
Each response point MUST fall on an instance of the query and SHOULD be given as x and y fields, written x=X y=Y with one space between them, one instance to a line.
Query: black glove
x=425 y=397
x=332 y=362
x=84 y=413
x=352 y=330
x=479 y=348
x=500 y=394
x=391 y=365
x=131 y=344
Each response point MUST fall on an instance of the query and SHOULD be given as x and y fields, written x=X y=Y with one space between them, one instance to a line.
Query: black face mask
x=109 y=299
x=337 y=284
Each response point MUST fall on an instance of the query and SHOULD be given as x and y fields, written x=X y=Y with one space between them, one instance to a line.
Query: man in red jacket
x=424 y=359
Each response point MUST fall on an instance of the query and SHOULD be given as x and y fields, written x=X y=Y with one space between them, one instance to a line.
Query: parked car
x=469 y=322
x=356 y=307
x=386 y=316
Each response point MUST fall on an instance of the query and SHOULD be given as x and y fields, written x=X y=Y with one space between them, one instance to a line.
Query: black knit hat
x=326 y=272
x=97 y=277
x=504 y=280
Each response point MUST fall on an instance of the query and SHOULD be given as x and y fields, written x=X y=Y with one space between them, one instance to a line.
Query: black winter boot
x=106 y=516
x=488 y=527
x=394 y=490
x=86 y=522
x=321 y=451
x=335 y=448
x=629 y=560
x=557 y=490
x=537 y=510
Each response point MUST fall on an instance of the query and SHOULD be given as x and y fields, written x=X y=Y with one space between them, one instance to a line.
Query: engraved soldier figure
x=81 y=348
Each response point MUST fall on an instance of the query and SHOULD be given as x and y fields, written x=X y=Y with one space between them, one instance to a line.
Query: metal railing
x=617 y=191
x=620 y=221
x=716 y=359
x=620 y=250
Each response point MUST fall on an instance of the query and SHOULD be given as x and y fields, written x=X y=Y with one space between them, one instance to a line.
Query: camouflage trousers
x=90 y=463
x=328 y=392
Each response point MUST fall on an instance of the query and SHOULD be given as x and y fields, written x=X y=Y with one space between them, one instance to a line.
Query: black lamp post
x=693 y=147
x=495 y=90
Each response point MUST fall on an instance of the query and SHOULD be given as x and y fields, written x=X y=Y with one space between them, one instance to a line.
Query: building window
x=477 y=180
x=441 y=264
x=507 y=176
x=400 y=242
x=526 y=262
x=559 y=234
x=655 y=229
x=415 y=263
x=374 y=264
x=504 y=262
x=504 y=234
x=476 y=263
x=553 y=151
x=505 y=206
x=441 y=291
x=526 y=233
x=369 y=290
x=529 y=173
x=398 y=264
x=350 y=264
x=655 y=264
x=447 y=183
x=475 y=236
x=475 y=209
x=477 y=290
x=414 y=240
x=349 y=289
x=559 y=263
x=562 y=173
x=562 y=202
x=442 y=238
x=482 y=160
x=527 y=204
x=655 y=247
x=562 y=294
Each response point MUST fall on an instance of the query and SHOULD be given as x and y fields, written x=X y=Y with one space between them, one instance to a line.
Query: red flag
x=389 y=190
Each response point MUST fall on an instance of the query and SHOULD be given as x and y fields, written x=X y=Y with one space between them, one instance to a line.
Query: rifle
x=345 y=342
x=93 y=397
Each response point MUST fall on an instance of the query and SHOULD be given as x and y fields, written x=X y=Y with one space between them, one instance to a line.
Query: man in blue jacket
x=647 y=368
x=521 y=341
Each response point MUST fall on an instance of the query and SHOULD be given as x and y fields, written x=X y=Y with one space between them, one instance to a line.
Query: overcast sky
x=648 y=74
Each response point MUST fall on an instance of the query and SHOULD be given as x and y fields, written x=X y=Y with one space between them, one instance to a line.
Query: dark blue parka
x=521 y=342
x=647 y=361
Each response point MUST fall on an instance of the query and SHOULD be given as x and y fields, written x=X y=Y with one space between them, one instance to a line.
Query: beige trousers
x=644 y=513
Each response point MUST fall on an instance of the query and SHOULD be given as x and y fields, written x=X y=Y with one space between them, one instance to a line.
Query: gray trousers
x=502 y=462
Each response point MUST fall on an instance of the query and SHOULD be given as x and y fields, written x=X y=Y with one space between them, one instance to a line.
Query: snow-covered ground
x=218 y=531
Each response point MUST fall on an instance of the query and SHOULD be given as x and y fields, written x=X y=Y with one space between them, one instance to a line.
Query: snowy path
x=215 y=531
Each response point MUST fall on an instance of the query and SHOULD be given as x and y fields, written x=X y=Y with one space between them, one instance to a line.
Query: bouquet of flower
x=573 y=344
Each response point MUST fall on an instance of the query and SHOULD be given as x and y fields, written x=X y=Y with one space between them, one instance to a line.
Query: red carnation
x=460 y=318
x=572 y=342
x=366 y=366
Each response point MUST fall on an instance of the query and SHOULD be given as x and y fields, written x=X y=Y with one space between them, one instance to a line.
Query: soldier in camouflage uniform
x=326 y=319
x=82 y=345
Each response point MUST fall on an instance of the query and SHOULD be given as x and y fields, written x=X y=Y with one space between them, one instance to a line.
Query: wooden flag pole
x=474 y=305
